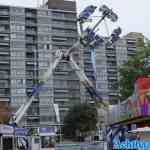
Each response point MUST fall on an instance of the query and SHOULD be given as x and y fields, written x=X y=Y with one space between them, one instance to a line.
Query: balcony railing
x=4 y=13
x=64 y=18
x=4 y=95
x=30 y=15
x=30 y=23
x=4 y=58
x=30 y=32
x=59 y=25
x=4 y=22
x=4 y=76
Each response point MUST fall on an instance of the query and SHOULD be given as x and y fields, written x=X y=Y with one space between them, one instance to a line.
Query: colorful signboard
x=139 y=103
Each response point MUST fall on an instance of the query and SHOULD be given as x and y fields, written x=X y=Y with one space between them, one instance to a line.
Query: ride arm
x=85 y=81
x=20 y=113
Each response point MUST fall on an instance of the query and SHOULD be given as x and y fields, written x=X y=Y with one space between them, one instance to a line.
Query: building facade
x=64 y=35
x=29 y=38
x=108 y=60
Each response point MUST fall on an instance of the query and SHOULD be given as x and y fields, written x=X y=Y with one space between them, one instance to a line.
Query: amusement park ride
x=89 y=39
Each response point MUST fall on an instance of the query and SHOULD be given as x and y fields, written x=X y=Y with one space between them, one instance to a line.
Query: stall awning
x=131 y=121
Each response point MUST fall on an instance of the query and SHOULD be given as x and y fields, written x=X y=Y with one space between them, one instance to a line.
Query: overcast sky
x=134 y=15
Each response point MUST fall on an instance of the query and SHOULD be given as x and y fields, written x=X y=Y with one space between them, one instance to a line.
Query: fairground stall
x=133 y=113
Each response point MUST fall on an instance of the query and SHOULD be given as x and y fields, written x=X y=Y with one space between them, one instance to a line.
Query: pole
x=60 y=133
x=81 y=27
x=103 y=17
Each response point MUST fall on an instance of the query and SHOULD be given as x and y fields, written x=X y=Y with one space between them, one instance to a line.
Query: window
x=44 y=29
x=3 y=37
x=17 y=63
x=44 y=64
x=30 y=83
x=18 y=82
x=4 y=91
x=17 y=44
x=58 y=30
x=58 y=14
x=3 y=83
x=17 y=19
x=4 y=28
x=17 y=10
x=44 y=21
x=31 y=47
x=69 y=15
x=17 y=54
x=43 y=13
x=44 y=37
x=16 y=73
x=18 y=91
x=15 y=27
x=17 y=36
x=44 y=46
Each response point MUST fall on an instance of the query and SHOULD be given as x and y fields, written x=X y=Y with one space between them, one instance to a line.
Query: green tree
x=5 y=113
x=81 y=118
x=137 y=66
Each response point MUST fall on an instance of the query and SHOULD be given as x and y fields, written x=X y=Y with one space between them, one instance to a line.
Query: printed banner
x=139 y=103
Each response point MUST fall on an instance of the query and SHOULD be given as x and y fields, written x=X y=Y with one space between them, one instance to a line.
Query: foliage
x=5 y=113
x=80 y=119
x=137 y=66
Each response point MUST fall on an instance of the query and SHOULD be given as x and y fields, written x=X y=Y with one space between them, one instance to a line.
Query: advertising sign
x=139 y=103
x=46 y=131
x=6 y=130
x=20 y=132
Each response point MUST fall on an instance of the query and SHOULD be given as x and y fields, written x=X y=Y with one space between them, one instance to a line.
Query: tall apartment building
x=64 y=35
x=108 y=60
x=29 y=39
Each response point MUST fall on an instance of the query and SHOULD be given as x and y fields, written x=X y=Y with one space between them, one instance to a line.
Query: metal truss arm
x=20 y=113
x=86 y=82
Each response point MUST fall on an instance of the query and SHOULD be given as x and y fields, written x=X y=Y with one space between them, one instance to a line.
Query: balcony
x=31 y=23
x=4 y=99
x=4 y=30
x=29 y=76
x=63 y=34
x=31 y=41
x=3 y=53
x=89 y=69
x=62 y=43
x=31 y=32
x=64 y=26
x=4 y=92
x=4 y=49
x=30 y=67
x=4 y=62
x=4 y=22
x=4 y=40
x=4 y=76
x=30 y=15
x=4 y=13
x=2 y=85
x=65 y=18
x=113 y=53
x=4 y=67
x=4 y=58
x=4 y=96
